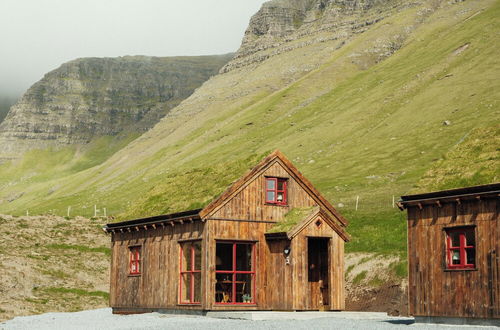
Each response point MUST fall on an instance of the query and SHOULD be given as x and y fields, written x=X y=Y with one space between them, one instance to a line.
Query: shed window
x=276 y=191
x=135 y=260
x=190 y=273
x=461 y=248
x=235 y=273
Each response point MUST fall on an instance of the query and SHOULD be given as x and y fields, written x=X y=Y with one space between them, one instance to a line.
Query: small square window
x=135 y=260
x=460 y=248
x=276 y=191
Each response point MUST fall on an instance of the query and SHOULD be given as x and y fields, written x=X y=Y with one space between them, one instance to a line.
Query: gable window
x=234 y=273
x=276 y=191
x=190 y=273
x=135 y=260
x=460 y=248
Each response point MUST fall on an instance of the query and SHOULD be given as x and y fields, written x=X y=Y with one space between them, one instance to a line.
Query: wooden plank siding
x=436 y=291
x=158 y=284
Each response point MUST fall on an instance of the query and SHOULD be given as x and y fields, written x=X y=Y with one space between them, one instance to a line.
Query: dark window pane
x=244 y=288
x=223 y=288
x=281 y=184
x=270 y=196
x=197 y=287
x=224 y=256
x=469 y=238
x=197 y=255
x=244 y=257
x=270 y=184
x=455 y=238
x=455 y=257
x=185 y=287
x=186 y=256
x=471 y=256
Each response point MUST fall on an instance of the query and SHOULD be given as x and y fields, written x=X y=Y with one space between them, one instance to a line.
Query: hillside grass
x=373 y=129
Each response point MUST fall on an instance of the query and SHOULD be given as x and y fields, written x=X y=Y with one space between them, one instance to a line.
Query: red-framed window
x=460 y=248
x=190 y=272
x=134 y=260
x=276 y=191
x=235 y=273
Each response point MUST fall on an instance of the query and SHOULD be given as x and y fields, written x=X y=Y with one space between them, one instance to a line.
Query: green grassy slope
x=359 y=125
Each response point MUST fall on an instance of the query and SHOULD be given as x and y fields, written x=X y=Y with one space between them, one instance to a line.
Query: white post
x=357 y=202
x=69 y=209
x=27 y=213
x=104 y=212
x=393 y=200
x=95 y=210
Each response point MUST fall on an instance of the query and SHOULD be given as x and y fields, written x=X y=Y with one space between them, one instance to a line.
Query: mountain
x=92 y=97
x=365 y=97
x=5 y=103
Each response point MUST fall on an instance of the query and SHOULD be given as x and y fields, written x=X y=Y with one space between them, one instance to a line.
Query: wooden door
x=318 y=264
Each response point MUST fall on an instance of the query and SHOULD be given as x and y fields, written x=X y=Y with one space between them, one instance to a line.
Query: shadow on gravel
x=404 y=322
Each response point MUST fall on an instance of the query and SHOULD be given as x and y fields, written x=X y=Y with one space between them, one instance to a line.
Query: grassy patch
x=80 y=248
x=375 y=282
x=383 y=232
x=400 y=268
x=78 y=292
x=360 y=277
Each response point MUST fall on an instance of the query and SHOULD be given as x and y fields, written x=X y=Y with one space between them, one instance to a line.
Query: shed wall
x=435 y=291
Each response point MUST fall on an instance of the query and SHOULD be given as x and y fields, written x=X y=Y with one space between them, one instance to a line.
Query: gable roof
x=297 y=220
x=257 y=170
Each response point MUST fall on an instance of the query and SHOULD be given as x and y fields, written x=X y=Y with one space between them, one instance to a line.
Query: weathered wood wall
x=250 y=202
x=158 y=284
x=435 y=291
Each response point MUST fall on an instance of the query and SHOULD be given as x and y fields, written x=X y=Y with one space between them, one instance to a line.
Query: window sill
x=273 y=204
x=134 y=275
x=236 y=304
x=461 y=269
x=189 y=304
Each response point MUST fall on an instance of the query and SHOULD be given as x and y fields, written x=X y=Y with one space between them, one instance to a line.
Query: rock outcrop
x=91 y=97
x=284 y=25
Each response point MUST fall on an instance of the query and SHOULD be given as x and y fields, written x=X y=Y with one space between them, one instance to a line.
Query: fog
x=39 y=35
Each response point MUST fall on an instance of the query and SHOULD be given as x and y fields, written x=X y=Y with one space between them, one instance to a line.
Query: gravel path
x=104 y=319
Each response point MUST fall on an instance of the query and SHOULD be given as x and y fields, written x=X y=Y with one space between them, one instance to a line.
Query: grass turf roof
x=292 y=218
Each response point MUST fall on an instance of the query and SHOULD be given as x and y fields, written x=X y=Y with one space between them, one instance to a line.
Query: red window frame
x=134 y=266
x=235 y=272
x=462 y=248
x=190 y=270
x=276 y=191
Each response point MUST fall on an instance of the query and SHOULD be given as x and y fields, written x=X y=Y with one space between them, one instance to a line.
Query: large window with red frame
x=134 y=260
x=190 y=273
x=276 y=191
x=235 y=273
x=460 y=248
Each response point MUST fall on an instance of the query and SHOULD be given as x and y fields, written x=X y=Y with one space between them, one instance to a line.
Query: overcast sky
x=39 y=35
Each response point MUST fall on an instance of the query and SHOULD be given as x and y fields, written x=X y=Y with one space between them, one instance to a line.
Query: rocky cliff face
x=92 y=97
x=284 y=25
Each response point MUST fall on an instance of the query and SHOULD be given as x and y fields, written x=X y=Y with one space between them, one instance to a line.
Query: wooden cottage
x=453 y=254
x=271 y=241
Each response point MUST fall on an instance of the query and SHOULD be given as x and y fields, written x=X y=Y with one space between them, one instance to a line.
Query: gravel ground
x=104 y=319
